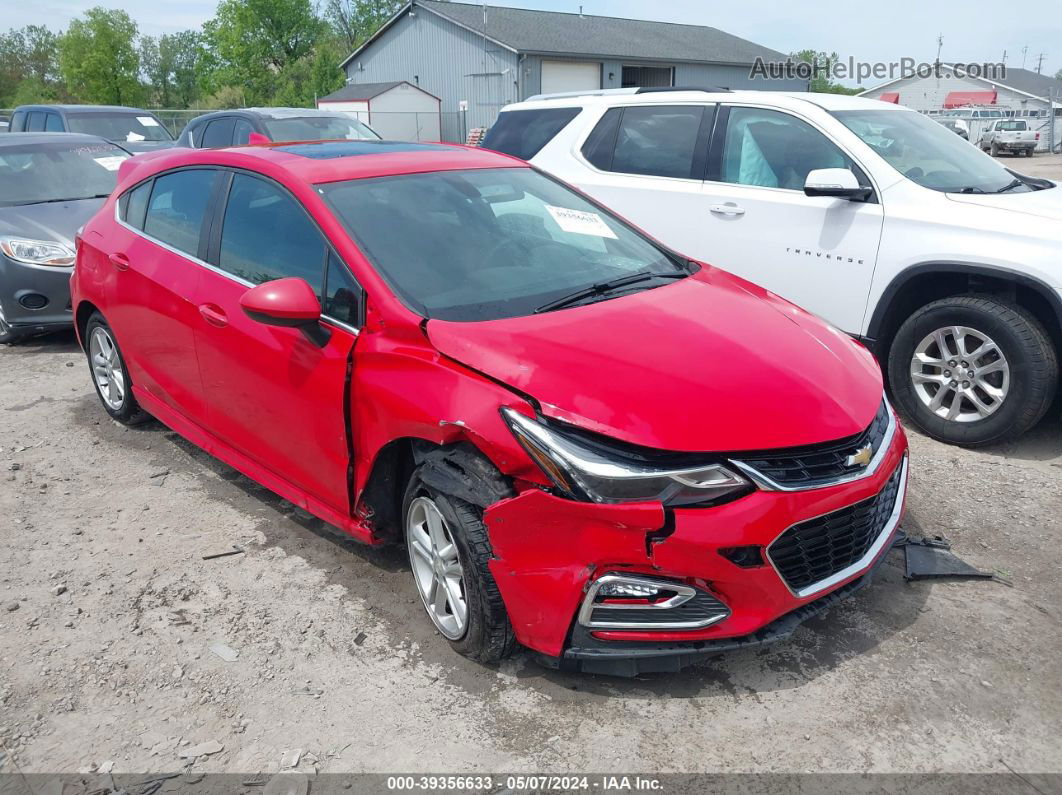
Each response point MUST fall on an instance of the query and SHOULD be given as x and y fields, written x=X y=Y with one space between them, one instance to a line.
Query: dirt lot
x=108 y=613
x=1041 y=165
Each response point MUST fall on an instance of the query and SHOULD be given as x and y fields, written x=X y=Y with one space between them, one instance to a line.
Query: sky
x=973 y=31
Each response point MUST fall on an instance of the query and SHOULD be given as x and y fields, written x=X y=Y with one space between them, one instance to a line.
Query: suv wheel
x=109 y=373
x=970 y=370
x=448 y=553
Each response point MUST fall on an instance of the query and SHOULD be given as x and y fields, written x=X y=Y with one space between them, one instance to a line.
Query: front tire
x=973 y=370
x=110 y=375
x=448 y=554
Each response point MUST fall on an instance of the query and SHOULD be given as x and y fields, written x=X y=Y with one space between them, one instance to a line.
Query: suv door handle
x=119 y=261
x=214 y=315
x=727 y=209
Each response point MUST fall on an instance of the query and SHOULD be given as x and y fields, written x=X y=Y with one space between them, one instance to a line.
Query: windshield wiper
x=601 y=289
x=65 y=199
x=1017 y=183
x=970 y=189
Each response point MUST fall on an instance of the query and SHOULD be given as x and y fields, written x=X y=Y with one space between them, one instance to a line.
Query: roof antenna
x=580 y=12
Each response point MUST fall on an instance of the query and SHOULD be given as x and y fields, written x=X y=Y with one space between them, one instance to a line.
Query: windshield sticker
x=134 y=137
x=580 y=222
x=147 y=121
x=109 y=163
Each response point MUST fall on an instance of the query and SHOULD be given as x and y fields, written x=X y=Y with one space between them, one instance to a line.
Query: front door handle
x=214 y=315
x=727 y=209
x=119 y=261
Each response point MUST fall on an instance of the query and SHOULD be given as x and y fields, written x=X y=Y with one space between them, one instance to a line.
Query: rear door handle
x=727 y=209
x=119 y=261
x=214 y=315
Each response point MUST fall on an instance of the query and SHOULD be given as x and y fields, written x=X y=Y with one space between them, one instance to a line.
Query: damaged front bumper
x=552 y=554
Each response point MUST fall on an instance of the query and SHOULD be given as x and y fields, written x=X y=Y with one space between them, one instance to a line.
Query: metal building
x=979 y=100
x=477 y=58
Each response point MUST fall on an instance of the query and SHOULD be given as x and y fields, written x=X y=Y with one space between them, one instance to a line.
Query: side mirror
x=257 y=139
x=840 y=183
x=289 y=303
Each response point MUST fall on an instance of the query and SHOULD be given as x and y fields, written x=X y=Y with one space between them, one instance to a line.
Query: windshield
x=492 y=243
x=927 y=153
x=130 y=127
x=48 y=172
x=318 y=128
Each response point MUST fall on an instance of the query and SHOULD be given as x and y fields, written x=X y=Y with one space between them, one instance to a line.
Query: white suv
x=947 y=264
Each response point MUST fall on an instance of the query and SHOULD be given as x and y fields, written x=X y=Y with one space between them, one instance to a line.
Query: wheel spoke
x=439 y=598
x=998 y=366
x=929 y=378
x=955 y=407
x=938 y=399
x=959 y=335
x=982 y=408
x=435 y=528
x=420 y=550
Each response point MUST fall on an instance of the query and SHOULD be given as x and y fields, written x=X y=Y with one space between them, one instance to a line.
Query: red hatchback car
x=590 y=445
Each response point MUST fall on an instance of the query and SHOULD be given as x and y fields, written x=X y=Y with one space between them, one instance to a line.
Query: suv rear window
x=523 y=133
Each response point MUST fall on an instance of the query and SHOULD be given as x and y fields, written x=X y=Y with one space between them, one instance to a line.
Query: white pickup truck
x=872 y=215
x=1009 y=135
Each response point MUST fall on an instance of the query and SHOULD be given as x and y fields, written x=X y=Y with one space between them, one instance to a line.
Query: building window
x=648 y=76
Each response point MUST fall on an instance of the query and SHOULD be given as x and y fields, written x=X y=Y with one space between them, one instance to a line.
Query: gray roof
x=357 y=91
x=552 y=32
x=1031 y=83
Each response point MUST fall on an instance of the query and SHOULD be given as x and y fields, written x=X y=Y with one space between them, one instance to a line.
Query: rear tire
x=994 y=150
x=109 y=373
x=486 y=635
x=997 y=361
x=1029 y=152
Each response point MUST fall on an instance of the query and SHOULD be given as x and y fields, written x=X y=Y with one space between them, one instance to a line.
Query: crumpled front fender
x=546 y=548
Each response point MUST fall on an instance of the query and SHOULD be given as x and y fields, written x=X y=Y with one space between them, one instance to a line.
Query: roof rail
x=661 y=89
x=609 y=92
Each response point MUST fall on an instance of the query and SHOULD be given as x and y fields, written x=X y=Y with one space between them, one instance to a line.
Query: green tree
x=171 y=65
x=354 y=21
x=255 y=40
x=311 y=77
x=821 y=82
x=28 y=56
x=1058 y=75
x=98 y=58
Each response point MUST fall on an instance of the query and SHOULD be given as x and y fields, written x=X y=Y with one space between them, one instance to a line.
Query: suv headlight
x=36 y=252
x=596 y=472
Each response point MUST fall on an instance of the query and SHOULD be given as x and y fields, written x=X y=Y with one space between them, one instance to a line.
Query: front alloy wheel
x=973 y=369
x=107 y=368
x=960 y=374
x=437 y=567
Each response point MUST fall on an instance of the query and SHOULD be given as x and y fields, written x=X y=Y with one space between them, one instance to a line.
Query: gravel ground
x=1040 y=165
x=108 y=614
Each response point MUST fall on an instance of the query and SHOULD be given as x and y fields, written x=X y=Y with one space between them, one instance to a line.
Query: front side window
x=318 y=128
x=266 y=235
x=130 y=127
x=491 y=243
x=52 y=123
x=928 y=154
x=56 y=171
x=177 y=206
x=523 y=133
x=771 y=149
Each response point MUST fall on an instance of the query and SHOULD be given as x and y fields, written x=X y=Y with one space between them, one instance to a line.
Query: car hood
x=1040 y=203
x=57 y=221
x=708 y=364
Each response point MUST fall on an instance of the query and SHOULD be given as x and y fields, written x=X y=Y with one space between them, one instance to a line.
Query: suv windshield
x=129 y=127
x=927 y=153
x=318 y=128
x=493 y=243
x=51 y=172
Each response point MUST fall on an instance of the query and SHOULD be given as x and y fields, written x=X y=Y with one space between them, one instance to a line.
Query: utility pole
x=940 y=44
x=1004 y=58
x=1040 y=63
x=1024 y=52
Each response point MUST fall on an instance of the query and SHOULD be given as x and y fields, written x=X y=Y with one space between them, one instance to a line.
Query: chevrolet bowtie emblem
x=860 y=457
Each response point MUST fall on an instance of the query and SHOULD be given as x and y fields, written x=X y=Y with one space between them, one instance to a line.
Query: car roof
x=86 y=108
x=318 y=162
x=23 y=138
x=791 y=99
x=271 y=113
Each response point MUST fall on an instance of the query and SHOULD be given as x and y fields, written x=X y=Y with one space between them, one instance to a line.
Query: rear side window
x=660 y=141
x=178 y=204
x=133 y=205
x=218 y=133
x=267 y=235
x=242 y=132
x=523 y=133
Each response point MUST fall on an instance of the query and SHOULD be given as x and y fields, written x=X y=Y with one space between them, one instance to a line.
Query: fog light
x=627 y=588
x=33 y=301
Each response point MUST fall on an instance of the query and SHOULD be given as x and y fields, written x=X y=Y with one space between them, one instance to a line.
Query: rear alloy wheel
x=109 y=373
x=973 y=370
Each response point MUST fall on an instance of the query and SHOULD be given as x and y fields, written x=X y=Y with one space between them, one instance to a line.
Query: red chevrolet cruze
x=589 y=444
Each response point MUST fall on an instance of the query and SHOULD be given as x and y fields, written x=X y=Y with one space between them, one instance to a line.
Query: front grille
x=811 y=551
x=819 y=464
x=702 y=609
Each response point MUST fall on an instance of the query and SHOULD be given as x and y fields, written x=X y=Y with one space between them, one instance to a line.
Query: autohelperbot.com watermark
x=852 y=69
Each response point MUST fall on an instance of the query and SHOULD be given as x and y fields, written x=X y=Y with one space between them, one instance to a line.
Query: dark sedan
x=50 y=185
x=235 y=127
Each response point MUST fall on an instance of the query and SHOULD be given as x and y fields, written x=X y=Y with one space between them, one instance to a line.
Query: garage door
x=560 y=76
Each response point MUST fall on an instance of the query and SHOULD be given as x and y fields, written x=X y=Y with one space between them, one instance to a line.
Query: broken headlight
x=590 y=470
